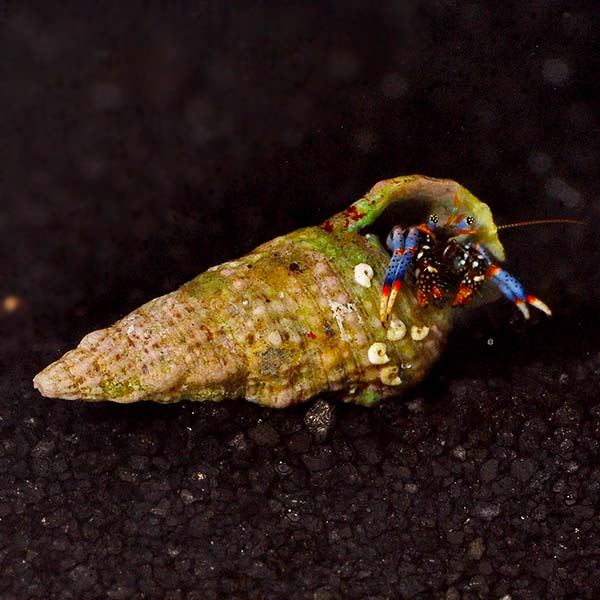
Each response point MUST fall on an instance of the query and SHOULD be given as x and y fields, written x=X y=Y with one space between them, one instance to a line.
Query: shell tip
x=54 y=382
x=40 y=383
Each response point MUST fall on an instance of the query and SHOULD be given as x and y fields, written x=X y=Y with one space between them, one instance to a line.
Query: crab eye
x=432 y=221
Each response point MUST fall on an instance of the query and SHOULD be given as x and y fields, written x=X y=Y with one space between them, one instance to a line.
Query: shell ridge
x=358 y=367
x=315 y=356
x=222 y=354
x=188 y=359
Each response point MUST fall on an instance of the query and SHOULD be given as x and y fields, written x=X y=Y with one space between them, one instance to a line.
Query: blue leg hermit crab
x=441 y=261
x=316 y=310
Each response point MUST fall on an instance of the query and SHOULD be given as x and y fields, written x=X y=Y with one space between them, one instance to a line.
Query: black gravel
x=141 y=145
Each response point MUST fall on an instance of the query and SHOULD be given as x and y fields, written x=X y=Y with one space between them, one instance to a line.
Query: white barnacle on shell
x=396 y=330
x=363 y=273
x=389 y=375
x=419 y=333
x=378 y=354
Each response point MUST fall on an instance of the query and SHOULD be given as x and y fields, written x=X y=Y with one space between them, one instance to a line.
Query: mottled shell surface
x=296 y=317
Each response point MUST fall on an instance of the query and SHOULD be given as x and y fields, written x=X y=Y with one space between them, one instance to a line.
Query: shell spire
x=295 y=317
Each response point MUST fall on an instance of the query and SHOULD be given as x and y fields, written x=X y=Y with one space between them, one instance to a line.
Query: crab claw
x=463 y=296
x=435 y=293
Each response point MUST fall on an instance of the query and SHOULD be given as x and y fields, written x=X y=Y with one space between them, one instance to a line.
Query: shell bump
x=285 y=322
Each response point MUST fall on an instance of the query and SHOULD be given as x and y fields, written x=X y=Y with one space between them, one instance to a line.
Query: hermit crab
x=321 y=309
x=441 y=261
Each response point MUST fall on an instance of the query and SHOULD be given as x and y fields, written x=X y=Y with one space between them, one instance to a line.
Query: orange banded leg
x=512 y=288
x=399 y=263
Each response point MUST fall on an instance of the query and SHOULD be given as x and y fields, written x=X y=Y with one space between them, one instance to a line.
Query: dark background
x=141 y=144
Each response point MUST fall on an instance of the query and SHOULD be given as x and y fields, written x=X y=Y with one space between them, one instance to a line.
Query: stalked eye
x=432 y=221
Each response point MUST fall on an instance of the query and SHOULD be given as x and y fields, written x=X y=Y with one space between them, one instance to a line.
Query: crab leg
x=510 y=286
x=395 y=243
x=401 y=258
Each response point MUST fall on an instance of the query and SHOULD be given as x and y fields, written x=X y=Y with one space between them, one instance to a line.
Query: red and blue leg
x=403 y=251
x=395 y=243
x=510 y=286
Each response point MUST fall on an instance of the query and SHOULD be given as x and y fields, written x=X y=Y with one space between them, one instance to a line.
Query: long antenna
x=540 y=222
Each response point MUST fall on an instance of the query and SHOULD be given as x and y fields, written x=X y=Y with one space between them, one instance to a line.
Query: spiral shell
x=288 y=321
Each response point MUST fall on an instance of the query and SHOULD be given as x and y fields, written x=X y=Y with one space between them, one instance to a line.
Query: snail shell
x=296 y=317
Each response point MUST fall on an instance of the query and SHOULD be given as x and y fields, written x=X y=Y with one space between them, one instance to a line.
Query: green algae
x=367 y=397
x=120 y=389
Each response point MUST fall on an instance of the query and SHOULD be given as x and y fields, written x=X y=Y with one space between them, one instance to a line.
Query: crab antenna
x=540 y=222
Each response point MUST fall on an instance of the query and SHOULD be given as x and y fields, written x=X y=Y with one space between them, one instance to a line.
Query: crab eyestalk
x=296 y=317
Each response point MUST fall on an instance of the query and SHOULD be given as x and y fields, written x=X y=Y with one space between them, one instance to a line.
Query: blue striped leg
x=404 y=248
